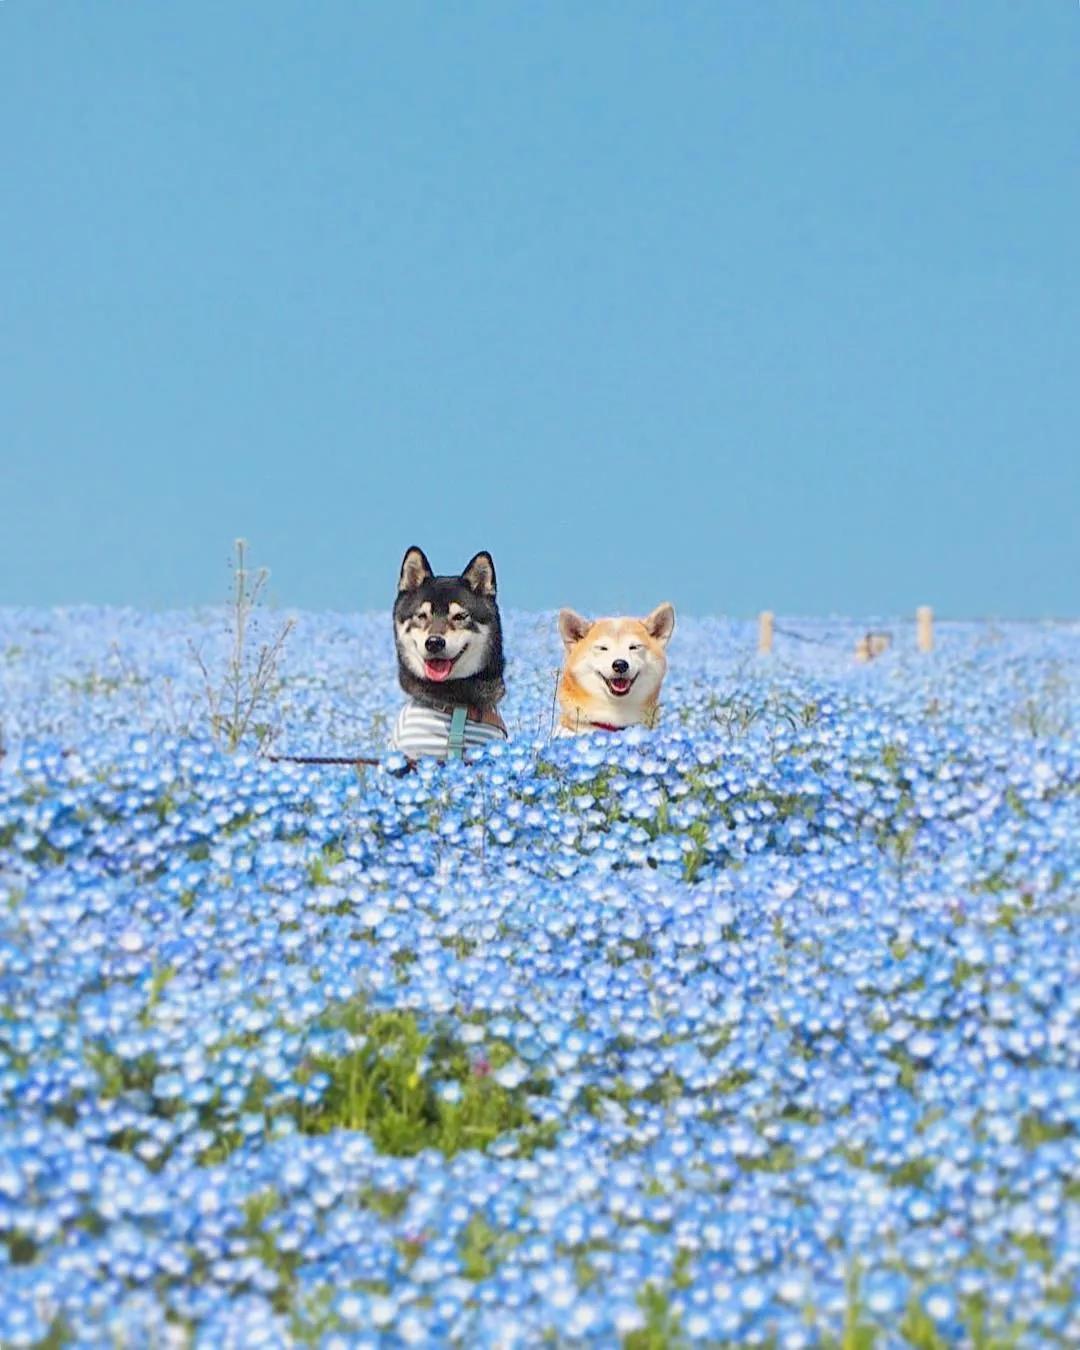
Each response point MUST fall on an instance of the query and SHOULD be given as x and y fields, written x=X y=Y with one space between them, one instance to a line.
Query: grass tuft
x=409 y=1088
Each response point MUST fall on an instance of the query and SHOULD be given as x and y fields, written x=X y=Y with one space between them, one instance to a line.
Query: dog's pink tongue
x=437 y=668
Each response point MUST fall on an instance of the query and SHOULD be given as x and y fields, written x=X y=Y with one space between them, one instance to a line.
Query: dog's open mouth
x=438 y=668
x=620 y=685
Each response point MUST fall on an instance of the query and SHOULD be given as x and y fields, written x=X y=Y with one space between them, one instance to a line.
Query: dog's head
x=621 y=660
x=447 y=628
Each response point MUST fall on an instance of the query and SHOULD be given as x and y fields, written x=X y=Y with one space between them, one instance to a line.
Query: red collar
x=606 y=726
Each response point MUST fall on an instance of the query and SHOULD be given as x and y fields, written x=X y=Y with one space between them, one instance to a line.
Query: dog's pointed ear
x=479 y=574
x=660 y=624
x=415 y=570
x=572 y=627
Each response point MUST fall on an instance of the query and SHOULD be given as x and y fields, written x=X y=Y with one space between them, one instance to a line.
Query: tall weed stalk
x=241 y=701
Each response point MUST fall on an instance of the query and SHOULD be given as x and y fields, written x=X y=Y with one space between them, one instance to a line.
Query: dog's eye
x=601 y=649
x=635 y=646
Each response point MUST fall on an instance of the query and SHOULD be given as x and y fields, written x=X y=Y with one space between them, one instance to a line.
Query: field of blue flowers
x=763 y=1028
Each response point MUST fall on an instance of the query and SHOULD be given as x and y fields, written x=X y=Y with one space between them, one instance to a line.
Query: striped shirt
x=420 y=730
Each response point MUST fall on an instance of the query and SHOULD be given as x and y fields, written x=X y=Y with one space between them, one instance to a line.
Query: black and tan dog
x=450 y=659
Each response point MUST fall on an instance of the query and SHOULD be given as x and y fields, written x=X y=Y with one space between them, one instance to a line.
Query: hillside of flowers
x=762 y=1028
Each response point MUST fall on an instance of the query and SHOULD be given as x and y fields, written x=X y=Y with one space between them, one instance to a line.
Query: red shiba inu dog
x=613 y=671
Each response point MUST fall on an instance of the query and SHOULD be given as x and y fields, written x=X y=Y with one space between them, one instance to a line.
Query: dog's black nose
x=620 y=667
x=435 y=644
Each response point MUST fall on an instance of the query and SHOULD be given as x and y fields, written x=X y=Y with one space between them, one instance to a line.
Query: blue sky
x=736 y=305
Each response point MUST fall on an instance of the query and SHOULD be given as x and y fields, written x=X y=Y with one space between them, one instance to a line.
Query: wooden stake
x=765 y=632
x=924 y=628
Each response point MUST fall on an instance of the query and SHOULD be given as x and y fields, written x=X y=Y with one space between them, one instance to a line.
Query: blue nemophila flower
x=742 y=1029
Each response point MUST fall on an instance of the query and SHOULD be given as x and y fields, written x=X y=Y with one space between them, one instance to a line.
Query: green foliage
x=482 y=1248
x=1036 y=1129
x=892 y=756
x=163 y=807
x=662 y=1329
x=909 y=1076
x=388 y=1204
x=919 y=1331
x=159 y=982
x=260 y=1238
x=915 y=1172
x=58 y=1335
x=681 y=1276
x=22 y=1249
x=963 y=971
x=782 y=1158
x=1035 y=1248
x=389 y=1084
x=318 y=869
x=118 y=1075
x=857 y=1334
x=697 y=834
